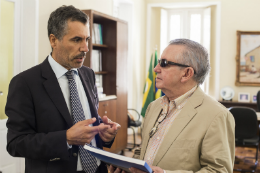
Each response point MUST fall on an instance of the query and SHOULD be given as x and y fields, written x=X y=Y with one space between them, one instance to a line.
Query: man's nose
x=157 y=68
x=84 y=47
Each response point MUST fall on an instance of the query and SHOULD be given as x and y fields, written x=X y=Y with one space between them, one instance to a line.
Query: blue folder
x=118 y=160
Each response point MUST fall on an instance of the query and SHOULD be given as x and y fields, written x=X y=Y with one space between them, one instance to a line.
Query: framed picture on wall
x=248 y=58
x=243 y=97
x=254 y=99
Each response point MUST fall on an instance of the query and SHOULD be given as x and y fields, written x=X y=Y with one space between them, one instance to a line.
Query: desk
x=229 y=104
x=258 y=116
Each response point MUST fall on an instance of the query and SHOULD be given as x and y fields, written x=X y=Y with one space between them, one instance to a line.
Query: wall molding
x=26 y=34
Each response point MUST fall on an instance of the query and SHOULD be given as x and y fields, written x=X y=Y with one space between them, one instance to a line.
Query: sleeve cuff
x=69 y=146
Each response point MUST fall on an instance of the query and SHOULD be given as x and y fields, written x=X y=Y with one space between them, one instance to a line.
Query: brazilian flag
x=148 y=89
x=158 y=92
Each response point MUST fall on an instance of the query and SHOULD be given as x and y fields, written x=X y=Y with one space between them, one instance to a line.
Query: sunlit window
x=195 y=27
x=175 y=27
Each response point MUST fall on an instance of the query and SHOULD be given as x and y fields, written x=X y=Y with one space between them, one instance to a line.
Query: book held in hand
x=119 y=161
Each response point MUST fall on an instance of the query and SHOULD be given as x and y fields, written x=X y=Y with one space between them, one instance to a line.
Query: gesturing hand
x=109 y=133
x=81 y=133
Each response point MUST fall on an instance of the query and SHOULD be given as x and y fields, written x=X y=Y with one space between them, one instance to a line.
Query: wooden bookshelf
x=114 y=61
x=101 y=72
x=97 y=46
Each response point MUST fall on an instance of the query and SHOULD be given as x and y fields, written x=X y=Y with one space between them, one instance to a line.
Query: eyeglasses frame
x=160 y=119
x=173 y=63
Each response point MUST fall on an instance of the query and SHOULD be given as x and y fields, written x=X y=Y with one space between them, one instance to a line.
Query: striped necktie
x=89 y=162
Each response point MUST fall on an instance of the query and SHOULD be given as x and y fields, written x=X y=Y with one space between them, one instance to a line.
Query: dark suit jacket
x=38 y=118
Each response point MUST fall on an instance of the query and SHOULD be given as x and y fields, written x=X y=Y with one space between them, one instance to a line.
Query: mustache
x=82 y=54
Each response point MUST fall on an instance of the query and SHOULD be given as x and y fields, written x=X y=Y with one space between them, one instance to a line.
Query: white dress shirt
x=64 y=85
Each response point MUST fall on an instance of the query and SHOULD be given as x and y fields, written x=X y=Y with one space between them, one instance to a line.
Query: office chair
x=131 y=124
x=246 y=130
x=258 y=100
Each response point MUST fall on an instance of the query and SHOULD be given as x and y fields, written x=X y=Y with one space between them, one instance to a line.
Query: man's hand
x=81 y=133
x=108 y=134
x=135 y=170
x=154 y=168
x=115 y=170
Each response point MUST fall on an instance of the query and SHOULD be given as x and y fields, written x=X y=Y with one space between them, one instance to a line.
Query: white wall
x=139 y=61
x=28 y=34
x=235 y=15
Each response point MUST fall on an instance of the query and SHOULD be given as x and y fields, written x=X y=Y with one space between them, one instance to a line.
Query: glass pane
x=206 y=38
x=195 y=27
x=175 y=26
x=164 y=30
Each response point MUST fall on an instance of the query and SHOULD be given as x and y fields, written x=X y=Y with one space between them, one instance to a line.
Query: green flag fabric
x=148 y=89
x=158 y=92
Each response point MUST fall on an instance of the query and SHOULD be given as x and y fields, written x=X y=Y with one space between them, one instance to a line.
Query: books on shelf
x=99 y=85
x=100 y=93
x=96 y=60
x=97 y=34
x=93 y=35
x=118 y=160
x=99 y=80
x=107 y=97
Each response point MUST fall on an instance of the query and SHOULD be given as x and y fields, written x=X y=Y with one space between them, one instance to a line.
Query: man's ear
x=53 y=41
x=187 y=74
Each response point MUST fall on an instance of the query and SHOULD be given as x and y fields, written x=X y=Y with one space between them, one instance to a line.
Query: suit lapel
x=181 y=122
x=89 y=93
x=149 y=125
x=53 y=89
x=84 y=77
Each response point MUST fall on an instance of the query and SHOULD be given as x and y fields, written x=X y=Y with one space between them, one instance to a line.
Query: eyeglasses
x=156 y=126
x=164 y=63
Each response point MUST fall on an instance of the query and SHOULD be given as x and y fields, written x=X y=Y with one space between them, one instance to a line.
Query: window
x=191 y=23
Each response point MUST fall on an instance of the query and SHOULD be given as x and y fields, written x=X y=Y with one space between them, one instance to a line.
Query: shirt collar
x=177 y=103
x=58 y=69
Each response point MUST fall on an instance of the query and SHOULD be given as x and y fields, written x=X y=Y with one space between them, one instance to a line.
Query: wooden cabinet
x=114 y=62
x=108 y=108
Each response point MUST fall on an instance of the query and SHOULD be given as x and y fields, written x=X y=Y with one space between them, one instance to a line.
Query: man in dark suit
x=45 y=126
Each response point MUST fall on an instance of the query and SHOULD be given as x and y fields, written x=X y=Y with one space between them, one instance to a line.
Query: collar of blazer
x=181 y=121
x=90 y=93
x=53 y=89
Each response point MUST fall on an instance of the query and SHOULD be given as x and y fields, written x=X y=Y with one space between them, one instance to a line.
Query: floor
x=244 y=156
x=245 y=159
x=129 y=152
